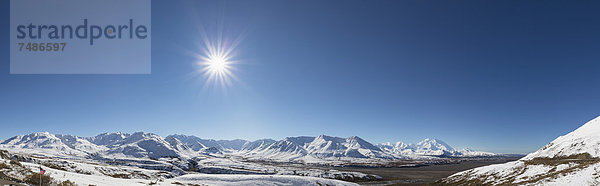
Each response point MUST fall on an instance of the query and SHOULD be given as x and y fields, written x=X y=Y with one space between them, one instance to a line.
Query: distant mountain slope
x=108 y=139
x=257 y=145
x=284 y=150
x=80 y=144
x=572 y=159
x=355 y=147
x=293 y=148
x=140 y=145
x=429 y=147
x=46 y=142
x=197 y=143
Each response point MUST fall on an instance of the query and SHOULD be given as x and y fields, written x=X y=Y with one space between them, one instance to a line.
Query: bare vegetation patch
x=4 y=154
x=54 y=166
x=577 y=162
x=34 y=179
x=15 y=162
x=554 y=161
x=122 y=176
x=4 y=166
x=67 y=183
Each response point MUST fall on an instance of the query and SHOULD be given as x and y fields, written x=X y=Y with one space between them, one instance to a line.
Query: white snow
x=206 y=179
x=145 y=157
x=553 y=169
x=586 y=139
x=428 y=147
x=86 y=172
x=212 y=179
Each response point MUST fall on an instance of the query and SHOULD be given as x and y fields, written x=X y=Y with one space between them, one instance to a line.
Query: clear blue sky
x=499 y=76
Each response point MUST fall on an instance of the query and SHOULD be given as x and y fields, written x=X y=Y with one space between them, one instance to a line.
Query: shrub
x=583 y=158
x=122 y=176
x=14 y=162
x=4 y=166
x=54 y=166
x=67 y=183
x=4 y=154
x=34 y=179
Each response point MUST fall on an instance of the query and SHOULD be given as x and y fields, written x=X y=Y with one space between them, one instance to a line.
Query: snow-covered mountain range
x=146 y=156
x=320 y=147
x=429 y=147
x=303 y=148
x=572 y=159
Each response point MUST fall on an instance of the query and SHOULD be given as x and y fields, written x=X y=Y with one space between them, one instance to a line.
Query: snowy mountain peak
x=300 y=141
x=591 y=128
x=193 y=142
x=108 y=138
x=50 y=143
x=401 y=144
x=433 y=144
x=429 y=147
x=42 y=134
x=564 y=161
x=585 y=139
x=196 y=143
x=257 y=145
x=356 y=142
x=327 y=138
x=39 y=139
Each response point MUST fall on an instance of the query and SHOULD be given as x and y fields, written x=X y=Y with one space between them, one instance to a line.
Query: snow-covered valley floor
x=132 y=172
x=193 y=179
x=87 y=172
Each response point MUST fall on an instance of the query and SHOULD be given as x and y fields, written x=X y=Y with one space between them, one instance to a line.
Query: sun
x=217 y=68
x=216 y=59
x=217 y=65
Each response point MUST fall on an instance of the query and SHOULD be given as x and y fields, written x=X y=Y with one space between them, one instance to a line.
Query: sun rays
x=216 y=61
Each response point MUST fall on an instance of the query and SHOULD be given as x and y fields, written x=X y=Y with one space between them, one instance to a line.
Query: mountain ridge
x=150 y=145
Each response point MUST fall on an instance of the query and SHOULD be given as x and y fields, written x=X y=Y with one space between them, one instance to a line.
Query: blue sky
x=499 y=76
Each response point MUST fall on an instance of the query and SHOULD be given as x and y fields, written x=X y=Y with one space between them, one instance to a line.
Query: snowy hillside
x=584 y=140
x=572 y=159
